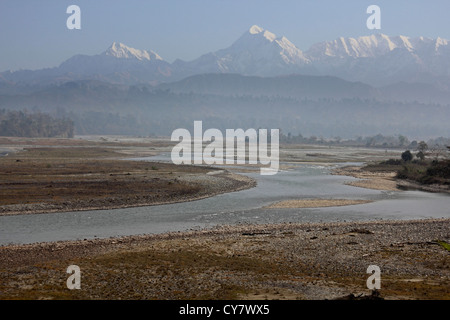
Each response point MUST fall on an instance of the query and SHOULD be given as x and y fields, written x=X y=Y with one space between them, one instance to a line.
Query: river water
x=302 y=181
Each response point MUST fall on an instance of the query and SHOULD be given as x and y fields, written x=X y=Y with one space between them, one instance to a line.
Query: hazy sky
x=33 y=34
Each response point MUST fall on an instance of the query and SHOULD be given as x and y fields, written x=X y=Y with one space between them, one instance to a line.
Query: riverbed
x=298 y=181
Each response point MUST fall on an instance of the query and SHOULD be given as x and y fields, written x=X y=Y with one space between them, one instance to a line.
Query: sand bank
x=315 y=203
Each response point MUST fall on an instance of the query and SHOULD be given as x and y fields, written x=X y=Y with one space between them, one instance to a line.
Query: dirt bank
x=42 y=180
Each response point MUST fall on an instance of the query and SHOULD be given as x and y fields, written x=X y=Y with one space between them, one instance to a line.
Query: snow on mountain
x=256 y=52
x=372 y=46
x=263 y=44
x=380 y=59
x=119 y=64
x=362 y=47
x=119 y=50
x=376 y=59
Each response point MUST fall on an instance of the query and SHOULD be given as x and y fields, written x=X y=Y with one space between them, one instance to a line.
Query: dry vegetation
x=399 y=175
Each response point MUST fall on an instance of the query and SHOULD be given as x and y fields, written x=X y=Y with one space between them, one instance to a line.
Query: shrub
x=407 y=156
x=420 y=155
x=393 y=162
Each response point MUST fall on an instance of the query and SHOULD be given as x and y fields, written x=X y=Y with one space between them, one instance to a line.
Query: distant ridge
x=295 y=86
x=378 y=60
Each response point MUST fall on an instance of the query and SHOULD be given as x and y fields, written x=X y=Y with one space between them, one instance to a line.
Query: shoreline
x=267 y=261
x=314 y=203
x=219 y=230
x=412 y=185
x=58 y=179
x=383 y=180
x=224 y=182
x=369 y=180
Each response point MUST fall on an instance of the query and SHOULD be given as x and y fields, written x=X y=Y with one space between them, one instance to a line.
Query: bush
x=392 y=162
x=440 y=169
x=420 y=155
x=407 y=156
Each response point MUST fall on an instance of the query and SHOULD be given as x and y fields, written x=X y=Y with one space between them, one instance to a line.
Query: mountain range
x=378 y=60
x=346 y=87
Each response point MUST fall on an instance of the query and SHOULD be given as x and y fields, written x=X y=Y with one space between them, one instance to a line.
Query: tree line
x=34 y=125
x=432 y=146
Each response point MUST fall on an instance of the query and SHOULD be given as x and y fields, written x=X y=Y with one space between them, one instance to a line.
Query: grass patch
x=444 y=245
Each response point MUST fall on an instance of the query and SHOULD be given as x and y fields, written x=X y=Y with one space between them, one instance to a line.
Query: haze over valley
x=344 y=88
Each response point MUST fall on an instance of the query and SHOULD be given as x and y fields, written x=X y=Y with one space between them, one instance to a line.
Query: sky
x=34 y=35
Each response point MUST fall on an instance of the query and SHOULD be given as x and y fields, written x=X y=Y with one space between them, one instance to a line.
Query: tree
x=420 y=155
x=23 y=124
x=437 y=152
x=407 y=156
x=402 y=140
x=422 y=146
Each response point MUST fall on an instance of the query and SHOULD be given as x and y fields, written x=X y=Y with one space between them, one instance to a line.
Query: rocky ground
x=287 y=261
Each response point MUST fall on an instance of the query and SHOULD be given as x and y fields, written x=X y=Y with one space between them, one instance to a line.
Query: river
x=301 y=181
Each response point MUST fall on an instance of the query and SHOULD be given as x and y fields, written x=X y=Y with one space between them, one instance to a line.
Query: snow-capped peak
x=440 y=42
x=361 y=47
x=255 y=29
x=259 y=49
x=119 y=50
